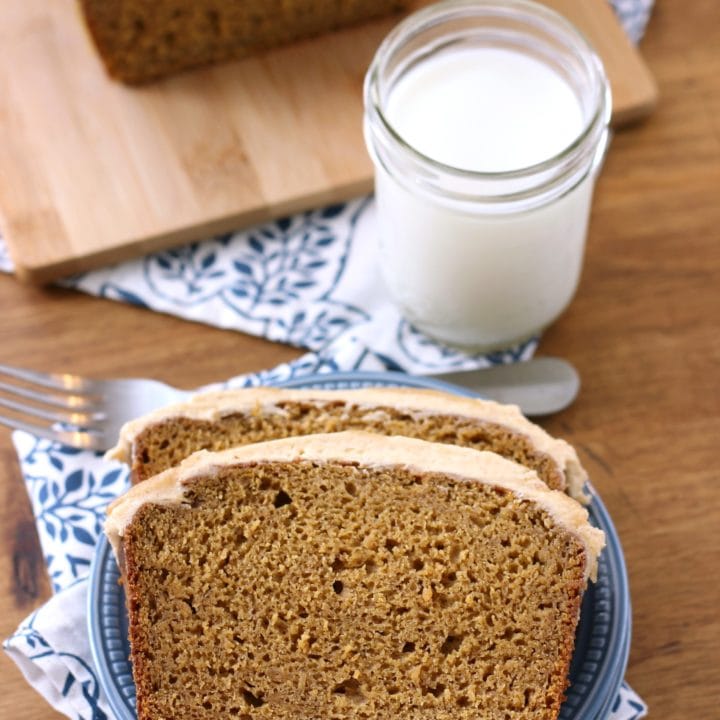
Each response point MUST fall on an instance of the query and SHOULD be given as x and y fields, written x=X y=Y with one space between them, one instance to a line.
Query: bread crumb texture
x=301 y=590
x=165 y=444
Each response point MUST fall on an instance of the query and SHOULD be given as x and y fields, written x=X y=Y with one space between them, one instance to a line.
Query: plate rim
x=608 y=678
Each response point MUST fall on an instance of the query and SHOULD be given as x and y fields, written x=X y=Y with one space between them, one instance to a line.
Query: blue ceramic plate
x=603 y=636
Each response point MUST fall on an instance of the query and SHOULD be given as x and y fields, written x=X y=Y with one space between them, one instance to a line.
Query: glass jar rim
x=424 y=19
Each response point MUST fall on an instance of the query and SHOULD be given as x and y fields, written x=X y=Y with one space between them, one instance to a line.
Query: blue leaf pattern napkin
x=307 y=280
x=310 y=280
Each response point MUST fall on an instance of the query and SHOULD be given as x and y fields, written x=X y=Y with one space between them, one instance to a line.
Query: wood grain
x=92 y=172
x=644 y=332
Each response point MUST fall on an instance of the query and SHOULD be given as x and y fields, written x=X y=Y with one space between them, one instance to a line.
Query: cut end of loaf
x=141 y=41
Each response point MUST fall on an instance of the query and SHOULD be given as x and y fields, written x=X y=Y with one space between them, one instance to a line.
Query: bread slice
x=351 y=575
x=143 y=40
x=220 y=420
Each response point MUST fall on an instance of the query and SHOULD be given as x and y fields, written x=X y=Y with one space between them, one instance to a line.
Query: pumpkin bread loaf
x=143 y=40
x=220 y=420
x=351 y=575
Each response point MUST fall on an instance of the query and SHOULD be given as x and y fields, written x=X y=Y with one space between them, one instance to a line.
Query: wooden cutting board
x=92 y=172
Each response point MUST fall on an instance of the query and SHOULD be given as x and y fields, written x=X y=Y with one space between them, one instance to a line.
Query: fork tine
x=68 y=402
x=57 y=381
x=80 y=419
x=78 y=439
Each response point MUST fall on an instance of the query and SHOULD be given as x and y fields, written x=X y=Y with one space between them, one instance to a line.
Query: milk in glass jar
x=487 y=121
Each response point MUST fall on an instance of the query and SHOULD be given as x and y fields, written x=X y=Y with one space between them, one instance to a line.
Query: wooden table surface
x=644 y=332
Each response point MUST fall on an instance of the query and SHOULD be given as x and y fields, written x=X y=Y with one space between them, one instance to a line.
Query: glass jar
x=482 y=232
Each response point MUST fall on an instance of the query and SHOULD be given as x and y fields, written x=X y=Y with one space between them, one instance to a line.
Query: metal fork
x=88 y=414
x=78 y=411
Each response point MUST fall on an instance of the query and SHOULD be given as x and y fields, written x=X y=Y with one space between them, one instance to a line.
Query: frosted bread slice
x=219 y=420
x=351 y=575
